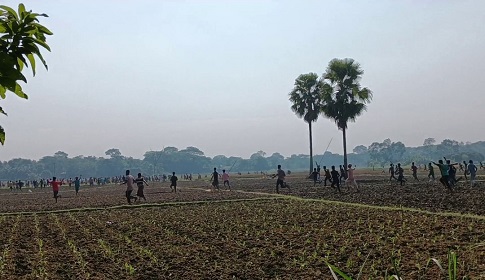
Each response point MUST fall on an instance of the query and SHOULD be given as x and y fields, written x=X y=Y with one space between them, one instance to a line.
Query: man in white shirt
x=129 y=181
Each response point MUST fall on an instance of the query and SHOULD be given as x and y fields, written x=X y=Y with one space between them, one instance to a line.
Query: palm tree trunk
x=345 y=149
x=311 y=146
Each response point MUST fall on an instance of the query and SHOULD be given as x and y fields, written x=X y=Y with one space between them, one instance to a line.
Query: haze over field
x=216 y=75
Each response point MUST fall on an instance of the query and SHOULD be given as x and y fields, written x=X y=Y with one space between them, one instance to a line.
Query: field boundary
x=361 y=205
x=266 y=197
x=145 y=205
x=378 y=207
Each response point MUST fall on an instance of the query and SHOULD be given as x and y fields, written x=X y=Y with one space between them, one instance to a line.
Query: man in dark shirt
x=400 y=174
x=215 y=179
x=392 y=172
x=335 y=179
x=315 y=176
x=173 y=182
x=280 y=182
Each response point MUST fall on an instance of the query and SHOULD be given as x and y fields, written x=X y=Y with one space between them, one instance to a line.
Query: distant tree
x=153 y=158
x=275 y=159
x=60 y=154
x=193 y=151
x=170 y=150
x=220 y=161
x=20 y=38
x=343 y=97
x=258 y=162
x=113 y=153
x=375 y=152
x=394 y=152
x=306 y=102
x=387 y=142
x=448 y=147
x=361 y=149
x=295 y=161
x=258 y=154
x=386 y=151
x=429 y=141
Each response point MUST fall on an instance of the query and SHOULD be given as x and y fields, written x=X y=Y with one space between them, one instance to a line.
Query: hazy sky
x=141 y=75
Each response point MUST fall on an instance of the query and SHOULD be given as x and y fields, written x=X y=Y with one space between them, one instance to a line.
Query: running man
x=55 y=187
x=350 y=178
x=342 y=173
x=215 y=179
x=173 y=182
x=128 y=180
x=315 y=177
x=392 y=172
x=431 y=172
x=280 y=181
x=225 y=179
x=327 y=176
x=465 y=171
x=400 y=174
x=445 y=178
x=335 y=179
x=452 y=172
x=472 y=170
x=140 y=183
x=414 y=168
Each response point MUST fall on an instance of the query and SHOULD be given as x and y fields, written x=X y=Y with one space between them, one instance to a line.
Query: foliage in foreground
x=451 y=273
x=21 y=35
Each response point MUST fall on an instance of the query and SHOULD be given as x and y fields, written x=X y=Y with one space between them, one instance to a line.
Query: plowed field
x=248 y=233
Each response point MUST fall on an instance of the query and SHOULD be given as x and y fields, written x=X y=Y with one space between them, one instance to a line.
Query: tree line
x=192 y=160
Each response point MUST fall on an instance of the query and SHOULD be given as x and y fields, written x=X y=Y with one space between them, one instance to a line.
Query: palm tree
x=343 y=97
x=307 y=101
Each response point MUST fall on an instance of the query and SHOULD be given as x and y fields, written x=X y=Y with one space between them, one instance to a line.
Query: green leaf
x=10 y=11
x=2 y=135
x=13 y=86
x=335 y=269
x=45 y=30
x=19 y=92
x=42 y=28
x=42 y=43
x=32 y=62
x=3 y=29
x=3 y=90
x=42 y=60
x=20 y=63
x=21 y=10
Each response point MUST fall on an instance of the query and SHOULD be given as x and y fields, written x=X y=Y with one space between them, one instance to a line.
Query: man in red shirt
x=55 y=187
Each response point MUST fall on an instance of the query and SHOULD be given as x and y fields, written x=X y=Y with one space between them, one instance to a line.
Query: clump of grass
x=452 y=269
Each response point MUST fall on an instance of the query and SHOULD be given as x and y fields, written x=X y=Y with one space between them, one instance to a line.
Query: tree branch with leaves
x=21 y=36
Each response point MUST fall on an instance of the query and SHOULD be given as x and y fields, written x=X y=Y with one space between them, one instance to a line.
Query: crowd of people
x=336 y=178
